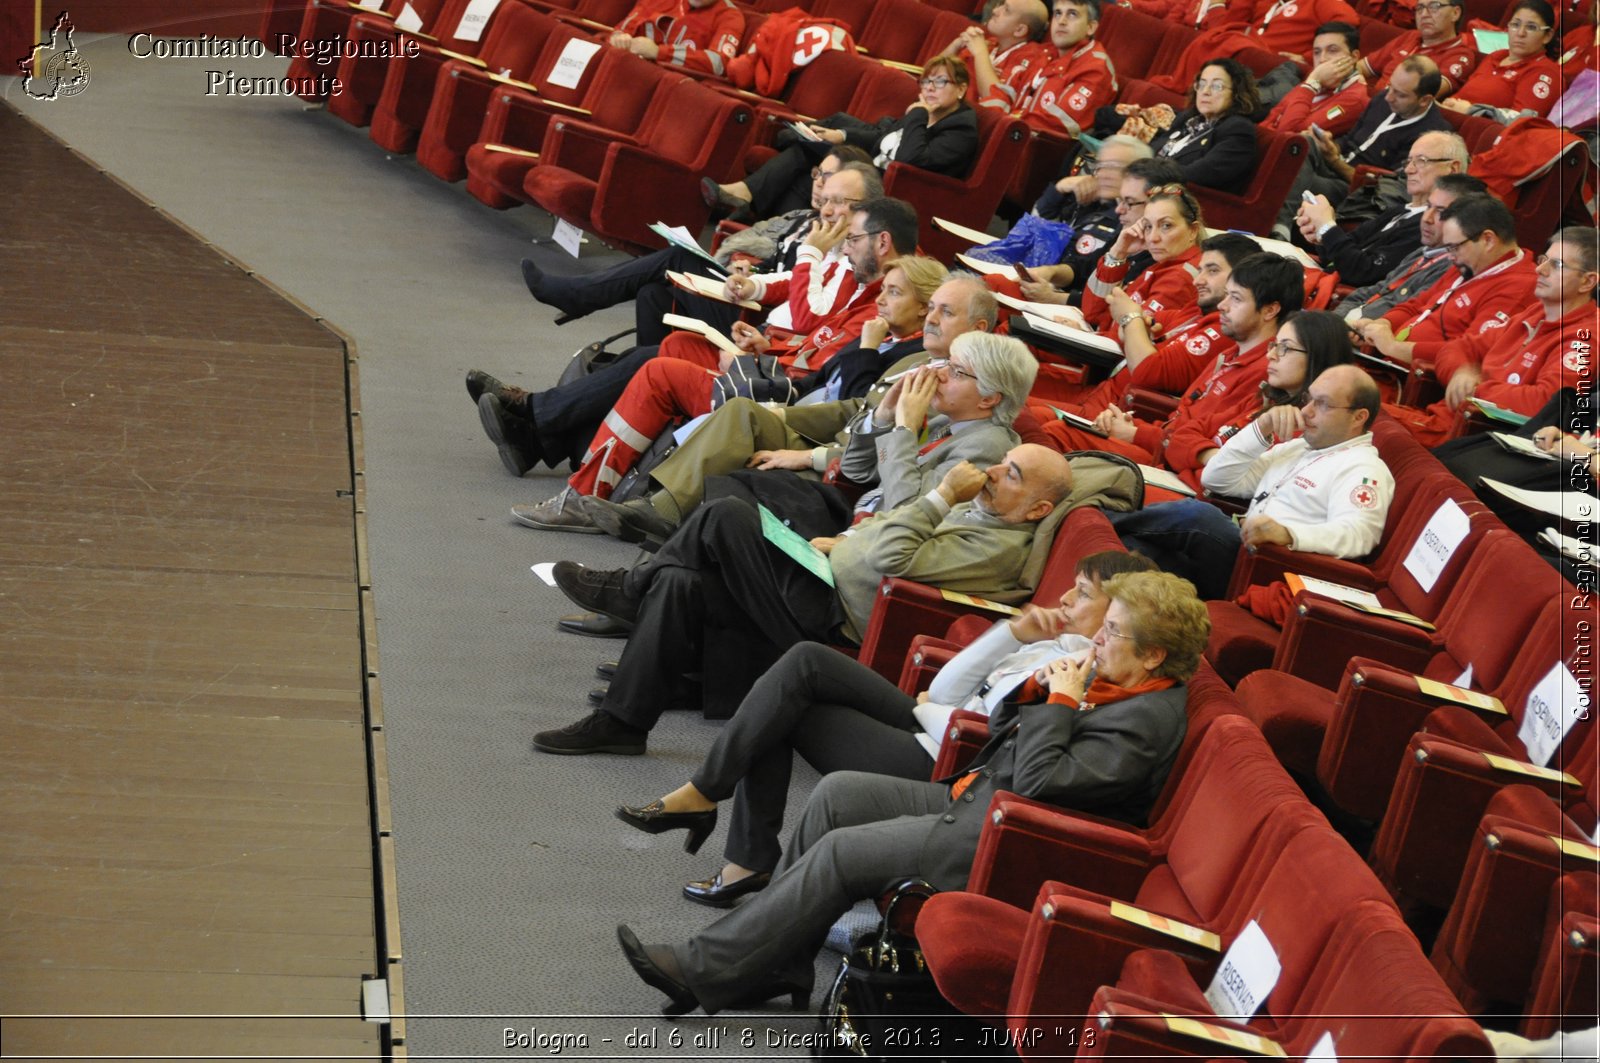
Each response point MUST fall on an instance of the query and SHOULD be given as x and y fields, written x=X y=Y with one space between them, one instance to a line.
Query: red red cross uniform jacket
x=1455 y=57
x=1523 y=364
x=1274 y=25
x=1335 y=112
x=1534 y=84
x=1064 y=93
x=697 y=38
x=1013 y=69
x=1185 y=353
x=1453 y=308
x=1165 y=285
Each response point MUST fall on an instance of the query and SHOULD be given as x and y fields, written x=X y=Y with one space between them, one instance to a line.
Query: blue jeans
x=1189 y=538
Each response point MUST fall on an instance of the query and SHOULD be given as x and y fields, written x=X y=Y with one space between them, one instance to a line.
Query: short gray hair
x=981 y=303
x=871 y=179
x=1003 y=366
x=1140 y=149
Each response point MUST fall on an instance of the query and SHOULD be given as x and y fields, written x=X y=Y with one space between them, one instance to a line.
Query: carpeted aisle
x=512 y=870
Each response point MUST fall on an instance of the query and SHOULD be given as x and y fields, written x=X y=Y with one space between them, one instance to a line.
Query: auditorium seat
x=522 y=46
x=970 y=200
x=408 y=83
x=1131 y=39
x=331 y=20
x=1351 y=738
x=1488 y=949
x=1369 y=993
x=614 y=184
x=906 y=608
x=362 y=73
x=1278 y=159
x=1567 y=972
x=617 y=97
x=835 y=82
x=909 y=32
x=852 y=14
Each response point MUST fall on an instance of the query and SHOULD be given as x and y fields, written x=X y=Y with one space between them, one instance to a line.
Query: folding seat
x=330 y=20
x=835 y=82
x=906 y=609
x=1242 y=643
x=1452 y=768
x=1278 y=159
x=854 y=14
x=1369 y=995
x=1250 y=849
x=903 y=31
x=1352 y=738
x=1131 y=38
x=361 y=73
x=523 y=46
x=408 y=83
x=1567 y=972
x=279 y=19
x=615 y=184
x=969 y=200
x=1509 y=898
x=615 y=97
x=1375 y=33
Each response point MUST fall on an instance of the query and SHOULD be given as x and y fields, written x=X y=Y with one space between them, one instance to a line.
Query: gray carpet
x=512 y=870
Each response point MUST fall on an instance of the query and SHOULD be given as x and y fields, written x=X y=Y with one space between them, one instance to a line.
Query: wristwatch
x=1112 y=260
x=1122 y=322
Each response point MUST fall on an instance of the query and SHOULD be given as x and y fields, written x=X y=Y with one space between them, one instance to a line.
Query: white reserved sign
x=573 y=62
x=1553 y=706
x=474 y=19
x=568 y=237
x=1246 y=975
x=1322 y=1051
x=1438 y=541
x=408 y=19
x=370 y=5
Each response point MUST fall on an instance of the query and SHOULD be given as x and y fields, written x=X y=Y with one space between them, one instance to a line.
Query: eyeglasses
x=1095 y=166
x=1555 y=264
x=935 y=83
x=1413 y=161
x=1129 y=204
x=960 y=372
x=819 y=174
x=838 y=201
x=1525 y=27
x=1277 y=348
x=853 y=237
x=1452 y=248
x=1212 y=86
x=1322 y=405
x=1433 y=8
x=1110 y=631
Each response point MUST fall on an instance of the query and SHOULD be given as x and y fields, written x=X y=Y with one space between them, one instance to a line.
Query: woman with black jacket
x=1213 y=139
x=938 y=132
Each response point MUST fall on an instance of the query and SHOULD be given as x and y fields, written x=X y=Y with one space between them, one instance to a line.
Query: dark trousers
x=565 y=418
x=835 y=712
x=643 y=281
x=783 y=182
x=718 y=596
x=1189 y=538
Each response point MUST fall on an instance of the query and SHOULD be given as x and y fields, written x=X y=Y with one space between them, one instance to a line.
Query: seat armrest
x=1269 y=563
x=1322 y=634
x=1027 y=842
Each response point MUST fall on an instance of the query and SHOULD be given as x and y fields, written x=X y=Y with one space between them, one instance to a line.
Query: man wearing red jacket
x=1064 y=94
x=1435 y=37
x=1264 y=289
x=1282 y=26
x=1485 y=289
x=1333 y=96
x=1542 y=349
x=696 y=34
x=1003 y=53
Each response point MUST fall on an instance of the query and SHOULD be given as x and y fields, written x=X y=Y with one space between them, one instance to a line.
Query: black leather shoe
x=598 y=590
x=518 y=449
x=540 y=287
x=713 y=894
x=653 y=819
x=594 y=626
x=657 y=969
x=605 y=670
x=633 y=521
x=598 y=732
x=597 y=696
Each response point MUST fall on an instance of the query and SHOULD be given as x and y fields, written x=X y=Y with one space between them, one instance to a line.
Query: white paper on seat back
x=1246 y=975
x=1554 y=705
x=1437 y=543
x=474 y=19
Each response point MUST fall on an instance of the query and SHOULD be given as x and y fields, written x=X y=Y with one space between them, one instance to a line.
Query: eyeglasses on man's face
x=1453 y=248
x=959 y=371
x=1413 y=162
x=1322 y=404
x=1128 y=204
x=819 y=174
x=1432 y=8
x=838 y=201
x=851 y=238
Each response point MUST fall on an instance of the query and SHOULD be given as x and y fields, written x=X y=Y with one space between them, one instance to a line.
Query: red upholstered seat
x=523 y=45
x=832 y=83
x=970 y=200
x=1567 y=972
x=906 y=609
x=1352 y=737
x=615 y=185
x=909 y=31
x=362 y=72
x=408 y=83
x=1488 y=948
x=1278 y=159
x=1369 y=989
x=334 y=20
x=616 y=97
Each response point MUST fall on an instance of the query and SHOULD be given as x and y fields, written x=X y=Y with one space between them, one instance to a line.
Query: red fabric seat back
x=515 y=37
x=852 y=13
x=1566 y=987
x=1130 y=37
x=1085 y=531
x=555 y=44
x=620 y=93
x=448 y=21
x=1408 y=521
x=852 y=83
x=1494 y=605
x=695 y=133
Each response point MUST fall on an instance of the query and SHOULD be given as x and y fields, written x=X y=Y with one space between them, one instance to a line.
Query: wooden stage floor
x=186 y=821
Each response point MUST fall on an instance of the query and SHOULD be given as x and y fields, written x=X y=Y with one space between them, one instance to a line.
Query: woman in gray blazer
x=1098 y=735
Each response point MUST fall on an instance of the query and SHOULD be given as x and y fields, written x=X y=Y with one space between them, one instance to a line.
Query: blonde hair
x=1165 y=613
x=923 y=274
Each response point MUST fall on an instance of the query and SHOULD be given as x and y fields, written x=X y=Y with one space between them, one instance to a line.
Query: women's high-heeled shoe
x=655 y=819
x=714 y=893
x=652 y=972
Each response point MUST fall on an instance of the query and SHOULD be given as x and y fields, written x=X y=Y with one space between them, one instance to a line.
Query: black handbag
x=883 y=1003
x=593 y=356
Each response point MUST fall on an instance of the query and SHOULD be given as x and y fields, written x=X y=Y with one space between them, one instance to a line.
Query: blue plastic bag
x=1033 y=241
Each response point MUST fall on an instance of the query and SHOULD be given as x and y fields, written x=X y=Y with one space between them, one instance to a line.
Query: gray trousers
x=835 y=712
x=860 y=834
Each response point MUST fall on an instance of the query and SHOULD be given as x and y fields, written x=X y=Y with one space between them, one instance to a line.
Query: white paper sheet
x=1246 y=975
x=1437 y=544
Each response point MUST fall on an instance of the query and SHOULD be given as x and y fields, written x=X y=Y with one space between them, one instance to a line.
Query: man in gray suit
x=723 y=591
x=1103 y=742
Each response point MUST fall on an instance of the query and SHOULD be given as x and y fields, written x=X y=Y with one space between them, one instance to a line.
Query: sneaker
x=598 y=732
x=561 y=513
x=515 y=440
x=633 y=521
x=597 y=590
x=480 y=383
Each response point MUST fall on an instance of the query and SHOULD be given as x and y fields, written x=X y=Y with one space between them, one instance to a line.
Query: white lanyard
x=1459 y=281
x=1387 y=124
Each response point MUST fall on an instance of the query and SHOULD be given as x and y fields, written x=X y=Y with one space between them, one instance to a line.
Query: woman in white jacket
x=841 y=716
